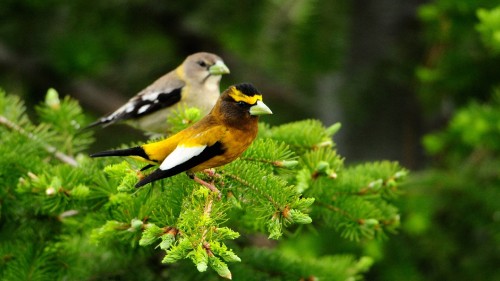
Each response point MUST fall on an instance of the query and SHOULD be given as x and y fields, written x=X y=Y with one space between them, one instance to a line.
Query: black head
x=247 y=89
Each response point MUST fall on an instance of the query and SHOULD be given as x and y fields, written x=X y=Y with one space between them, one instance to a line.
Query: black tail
x=158 y=174
x=103 y=122
x=94 y=124
x=134 y=151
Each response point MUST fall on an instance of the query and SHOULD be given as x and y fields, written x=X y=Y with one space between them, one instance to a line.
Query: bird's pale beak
x=260 y=108
x=218 y=68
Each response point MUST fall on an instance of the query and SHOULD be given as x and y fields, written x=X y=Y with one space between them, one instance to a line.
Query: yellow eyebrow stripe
x=239 y=96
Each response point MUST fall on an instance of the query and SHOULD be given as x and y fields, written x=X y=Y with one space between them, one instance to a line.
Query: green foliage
x=183 y=118
x=489 y=28
x=450 y=229
x=30 y=212
x=451 y=210
x=66 y=121
x=457 y=68
x=473 y=128
x=71 y=208
x=340 y=267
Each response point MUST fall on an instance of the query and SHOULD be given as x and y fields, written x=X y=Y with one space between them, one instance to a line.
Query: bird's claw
x=210 y=186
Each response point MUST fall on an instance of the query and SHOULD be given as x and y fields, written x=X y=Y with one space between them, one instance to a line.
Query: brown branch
x=335 y=209
x=50 y=149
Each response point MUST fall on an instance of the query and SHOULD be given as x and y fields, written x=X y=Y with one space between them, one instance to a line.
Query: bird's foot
x=211 y=173
x=210 y=186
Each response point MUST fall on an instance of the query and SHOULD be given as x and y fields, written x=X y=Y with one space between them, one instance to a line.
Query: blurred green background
x=412 y=81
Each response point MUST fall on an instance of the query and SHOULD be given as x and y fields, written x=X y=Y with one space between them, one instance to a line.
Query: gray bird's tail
x=134 y=151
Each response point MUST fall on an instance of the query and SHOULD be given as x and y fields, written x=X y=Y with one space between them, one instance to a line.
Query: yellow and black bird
x=195 y=83
x=217 y=139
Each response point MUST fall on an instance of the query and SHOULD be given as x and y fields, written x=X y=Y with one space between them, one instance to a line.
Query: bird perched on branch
x=195 y=83
x=217 y=139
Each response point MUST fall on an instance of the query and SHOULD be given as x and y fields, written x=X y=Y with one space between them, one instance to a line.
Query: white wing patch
x=180 y=155
x=129 y=108
x=143 y=108
x=152 y=96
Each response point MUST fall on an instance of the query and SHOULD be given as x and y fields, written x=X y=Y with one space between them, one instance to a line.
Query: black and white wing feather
x=156 y=97
x=182 y=159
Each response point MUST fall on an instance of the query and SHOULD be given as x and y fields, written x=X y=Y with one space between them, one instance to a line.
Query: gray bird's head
x=203 y=68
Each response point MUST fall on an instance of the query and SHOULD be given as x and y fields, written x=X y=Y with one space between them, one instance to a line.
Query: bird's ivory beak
x=260 y=109
x=218 y=68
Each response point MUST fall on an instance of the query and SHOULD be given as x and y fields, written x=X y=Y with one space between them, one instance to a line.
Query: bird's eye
x=202 y=63
x=241 y=104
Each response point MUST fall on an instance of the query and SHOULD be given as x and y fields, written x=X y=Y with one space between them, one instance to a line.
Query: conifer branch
x=335 y=209
x=266 y=161
x=275 y=163
x=247 y=184
x=207 y=210
x=50 y=149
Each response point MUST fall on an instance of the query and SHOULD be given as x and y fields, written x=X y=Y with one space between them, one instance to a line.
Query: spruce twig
x=50 y=149
x=335 y=209
x=207 y=210
x=253 y=187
